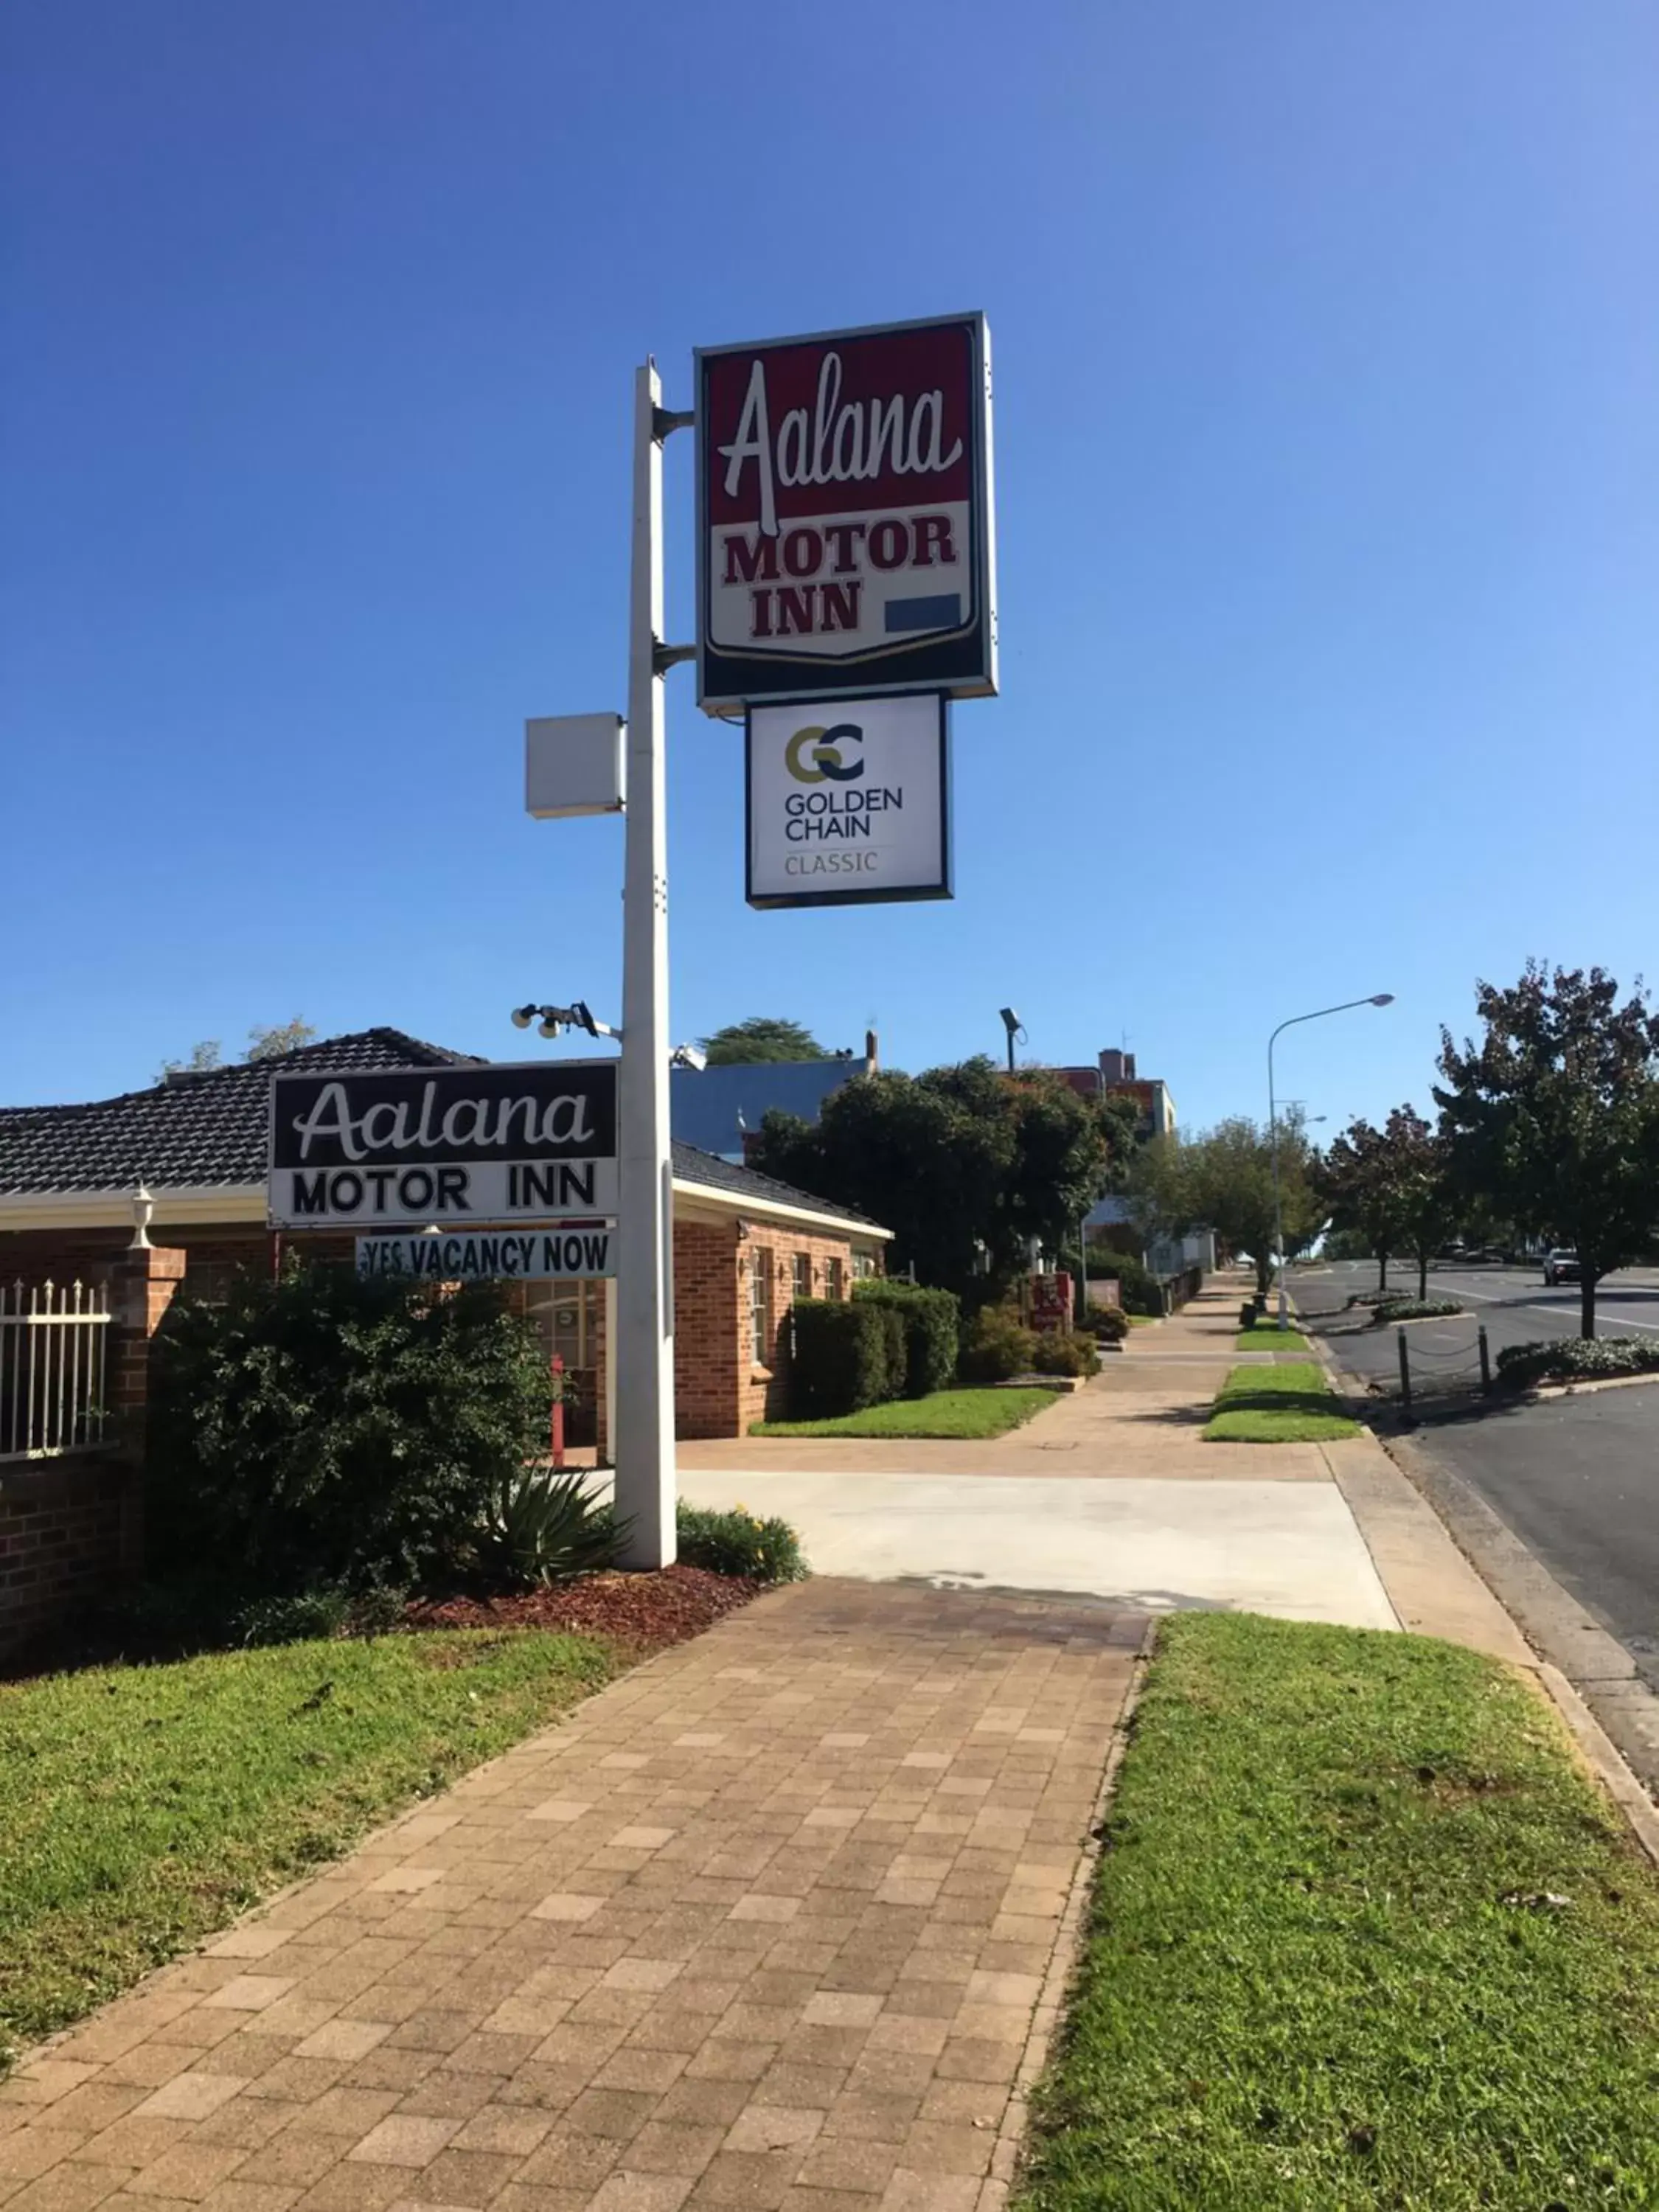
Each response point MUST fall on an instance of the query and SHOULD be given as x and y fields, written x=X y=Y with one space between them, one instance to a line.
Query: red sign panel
x=845 y=540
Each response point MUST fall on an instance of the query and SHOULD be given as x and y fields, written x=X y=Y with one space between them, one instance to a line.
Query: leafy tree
x=286 y=1036
x=1392 y=1187
x=1222 y=1180
x=1553 y=1115
x=1359 y=1186
x=963 y=1163
x=262 y=1044
x=761 y=1037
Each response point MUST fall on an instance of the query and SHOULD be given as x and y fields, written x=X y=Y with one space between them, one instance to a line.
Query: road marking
x=1530 y=1305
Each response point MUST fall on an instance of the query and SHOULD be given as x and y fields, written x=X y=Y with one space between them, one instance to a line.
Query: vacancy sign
x=490 y=1256
x=849 y=804
x=845 y=538
x=492 y=1143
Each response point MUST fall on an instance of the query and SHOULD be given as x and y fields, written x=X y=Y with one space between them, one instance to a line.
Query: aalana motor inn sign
x=844 y=529
x=501 y=1142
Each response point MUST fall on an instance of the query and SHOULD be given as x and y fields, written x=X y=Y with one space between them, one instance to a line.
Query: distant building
x=1114 y=1074
x=720 y=1109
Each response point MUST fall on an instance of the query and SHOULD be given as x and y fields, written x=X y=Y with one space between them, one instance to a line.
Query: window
x=803 y=1278
x=864 y=1266
x=760 y=1309
x=837 y=1286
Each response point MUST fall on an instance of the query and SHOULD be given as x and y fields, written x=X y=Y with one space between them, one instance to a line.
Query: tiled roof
x=207 y=1131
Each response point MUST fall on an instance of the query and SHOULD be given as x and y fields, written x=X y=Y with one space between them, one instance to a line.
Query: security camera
x=522 y=1016
x=688 y=1055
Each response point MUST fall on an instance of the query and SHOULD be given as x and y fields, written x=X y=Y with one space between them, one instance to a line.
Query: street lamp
x=1376 y=999
x=1016 y=1028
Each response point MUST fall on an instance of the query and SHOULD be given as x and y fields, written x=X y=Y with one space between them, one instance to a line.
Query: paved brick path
x=769 y=1925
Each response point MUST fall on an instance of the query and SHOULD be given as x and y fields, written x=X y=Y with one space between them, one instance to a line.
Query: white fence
x=53 y=1339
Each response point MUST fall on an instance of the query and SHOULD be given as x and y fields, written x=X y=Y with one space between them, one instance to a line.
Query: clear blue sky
x=1326 y=343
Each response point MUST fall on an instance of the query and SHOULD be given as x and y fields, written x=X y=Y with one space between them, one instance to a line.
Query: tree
x=262 y=1044
x=1392 y=1187
x=761 y=1037
x=1223 y=1180
x=1358 y=1185
x=1553 y=1116
x=286 y=1036
x=965 y=1164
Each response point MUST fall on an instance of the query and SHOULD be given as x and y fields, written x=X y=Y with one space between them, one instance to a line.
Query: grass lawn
x=1270 y=1339
x=1144 y=1320
x=943 y=1413
x=1277 y=1405
x=143 y=1807
x=1322 y=1969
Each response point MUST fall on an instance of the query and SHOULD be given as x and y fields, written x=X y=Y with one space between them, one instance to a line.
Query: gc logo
x=823 y=747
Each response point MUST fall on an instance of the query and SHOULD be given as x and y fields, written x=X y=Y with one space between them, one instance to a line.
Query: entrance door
x=567 y=1317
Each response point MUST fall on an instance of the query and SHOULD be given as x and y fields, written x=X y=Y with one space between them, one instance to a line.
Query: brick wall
x=69 y=1532
x=720 y=1386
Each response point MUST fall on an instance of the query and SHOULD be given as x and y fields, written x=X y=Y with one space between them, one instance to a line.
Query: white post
x=644 y=1349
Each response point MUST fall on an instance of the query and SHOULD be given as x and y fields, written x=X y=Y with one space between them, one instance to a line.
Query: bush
x=1573 y=1359
x=848 y=1355
x=1106 y=1324
x=1066 y=1352
x=739 y=1543
x=319 y=1432
x=1137 y=1286
x=540 y=1526
x=931 y=1321
x=1409 y=1309
x=996 y=1347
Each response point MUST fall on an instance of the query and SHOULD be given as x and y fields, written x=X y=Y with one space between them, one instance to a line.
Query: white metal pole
x=644 y=1351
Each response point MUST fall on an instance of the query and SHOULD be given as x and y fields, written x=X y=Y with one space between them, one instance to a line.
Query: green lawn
x=143 y=1807
x=1270 y=1339
x=1323 y=1969
x=1277 y=1405
x=1144 y=1320
x=943 y=1414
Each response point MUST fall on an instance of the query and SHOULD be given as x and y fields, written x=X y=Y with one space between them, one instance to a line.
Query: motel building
x=186 y=1160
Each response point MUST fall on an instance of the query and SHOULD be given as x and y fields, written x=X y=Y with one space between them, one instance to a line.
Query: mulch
x=646 y=1610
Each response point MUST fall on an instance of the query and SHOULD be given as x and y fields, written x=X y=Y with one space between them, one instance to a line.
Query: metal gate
x=53 y=1357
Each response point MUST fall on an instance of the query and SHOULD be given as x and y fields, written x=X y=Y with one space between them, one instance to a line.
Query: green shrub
x=848 y=1355
x=1065 y=1352
x=539 y=1527
x=310 y=1616
x=1137 y=1287
x=1409 y=1309
x=738 y=1542
x=996 y=1347
x=321 y=1431
x=1106 y=1324
x=932 y=1323
x=1572 y=1358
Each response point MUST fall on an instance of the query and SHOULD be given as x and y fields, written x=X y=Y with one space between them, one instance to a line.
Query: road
x=1577 y=1479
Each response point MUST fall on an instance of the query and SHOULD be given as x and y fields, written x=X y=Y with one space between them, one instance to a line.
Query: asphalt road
x=1577 y=1479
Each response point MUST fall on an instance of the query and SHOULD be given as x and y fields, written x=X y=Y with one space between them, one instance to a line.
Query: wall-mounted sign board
x=493 y=1144
x=845 y=531
x=848 y=804
x=478 y=1255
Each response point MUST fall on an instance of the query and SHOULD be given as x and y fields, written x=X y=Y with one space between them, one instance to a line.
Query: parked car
x=1561 y=1265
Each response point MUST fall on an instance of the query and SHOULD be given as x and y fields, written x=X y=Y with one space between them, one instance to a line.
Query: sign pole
x=644 y=1351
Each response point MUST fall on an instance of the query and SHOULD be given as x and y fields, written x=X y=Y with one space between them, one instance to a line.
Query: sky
x=1326 y=353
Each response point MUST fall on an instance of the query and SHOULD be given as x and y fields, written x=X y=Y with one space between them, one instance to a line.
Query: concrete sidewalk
x=1112 y=1492
x=773 y=1923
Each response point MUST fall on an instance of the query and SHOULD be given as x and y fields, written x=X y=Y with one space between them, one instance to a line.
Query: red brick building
x=187 y=1158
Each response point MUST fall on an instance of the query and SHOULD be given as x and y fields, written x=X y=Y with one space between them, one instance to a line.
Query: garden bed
x=644 y=1612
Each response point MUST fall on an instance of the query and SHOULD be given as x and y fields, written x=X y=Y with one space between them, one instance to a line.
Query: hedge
x=848 y=1354
x=1405 y=1308
x=931 y=1321
x=1573 y=1359
x=1138 y=1291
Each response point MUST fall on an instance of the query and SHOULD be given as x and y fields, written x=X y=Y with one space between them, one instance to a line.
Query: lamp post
x=1016 y=1028
x=1376 y=999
